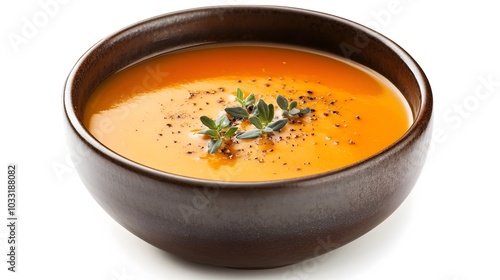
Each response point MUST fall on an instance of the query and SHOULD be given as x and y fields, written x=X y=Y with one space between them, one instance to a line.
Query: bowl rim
x=420 y=120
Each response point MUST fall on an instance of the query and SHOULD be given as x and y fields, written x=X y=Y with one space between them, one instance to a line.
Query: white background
x=447 y=229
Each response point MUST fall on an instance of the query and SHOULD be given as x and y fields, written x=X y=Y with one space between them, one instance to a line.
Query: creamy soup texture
x=150 y=112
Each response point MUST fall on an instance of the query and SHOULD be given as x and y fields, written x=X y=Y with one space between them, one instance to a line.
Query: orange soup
x=150 y=112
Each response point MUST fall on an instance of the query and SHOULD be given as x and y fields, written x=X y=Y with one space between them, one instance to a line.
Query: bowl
x=254 y=224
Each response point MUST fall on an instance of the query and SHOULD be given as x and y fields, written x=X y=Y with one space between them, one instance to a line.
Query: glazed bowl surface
x=252 y=224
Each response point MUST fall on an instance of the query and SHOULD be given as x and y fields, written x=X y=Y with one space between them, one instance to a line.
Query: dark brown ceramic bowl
x=260 y=224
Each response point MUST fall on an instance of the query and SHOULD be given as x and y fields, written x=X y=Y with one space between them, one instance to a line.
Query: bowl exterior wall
x=250 y=227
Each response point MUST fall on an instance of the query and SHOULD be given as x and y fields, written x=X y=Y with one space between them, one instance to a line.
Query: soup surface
x=150 y=112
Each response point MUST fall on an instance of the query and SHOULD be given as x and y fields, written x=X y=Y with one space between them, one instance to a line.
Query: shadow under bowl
x=256 y=224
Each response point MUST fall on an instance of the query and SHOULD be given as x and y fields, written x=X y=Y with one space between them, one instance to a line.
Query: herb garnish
x=246 y=108
x=218 y=130
x=262 y=118
x=290 y=111
x=260 y=115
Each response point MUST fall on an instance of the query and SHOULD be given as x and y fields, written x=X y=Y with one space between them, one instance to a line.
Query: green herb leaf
x=210 y=132
x=249 y=134
x=230 y=132
x=239 y=96
x=304 y=111
x=267 y=129
x=208 y=122
x=291 y=110
x=262 y=110
x=222 y=122
x=256 y=121
x=270 y=112
x=216 y=130
x=250 y=100
x=237 y=112
x=282 y=102
x=294 y=111
x=277 y=125
x=214 y=145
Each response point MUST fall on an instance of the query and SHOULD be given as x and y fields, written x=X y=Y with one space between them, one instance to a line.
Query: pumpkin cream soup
x=246 y=113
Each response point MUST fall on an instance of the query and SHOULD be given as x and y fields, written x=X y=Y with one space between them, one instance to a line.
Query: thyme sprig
x=243 y=112
x=260 y=115
x=262 y=118
x=290 y=110
x=218 y=130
